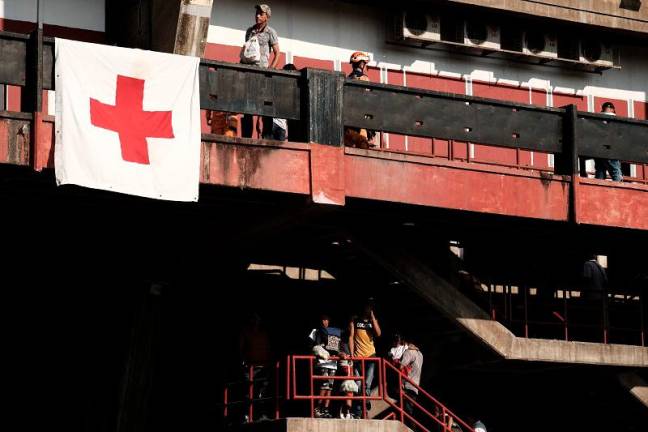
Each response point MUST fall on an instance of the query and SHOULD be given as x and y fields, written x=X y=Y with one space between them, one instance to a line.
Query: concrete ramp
x=447 y=299
x=636 y=386
x=326 y=425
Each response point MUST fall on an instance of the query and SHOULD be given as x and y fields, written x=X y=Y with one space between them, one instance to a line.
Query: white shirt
x=397 y=352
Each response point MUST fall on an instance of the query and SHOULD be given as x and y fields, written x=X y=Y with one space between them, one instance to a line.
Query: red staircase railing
x=303 y=367
x=441 y=416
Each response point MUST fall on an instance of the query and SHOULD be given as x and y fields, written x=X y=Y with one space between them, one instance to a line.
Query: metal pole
x=641 y=315
x=276 y=384
x=400 y=393
x=39 y=19
x=526 y=313
x=251 y=395
x=362 y=390
x=312 y=389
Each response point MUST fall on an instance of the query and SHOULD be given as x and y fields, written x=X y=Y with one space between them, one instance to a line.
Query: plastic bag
x=251 y=51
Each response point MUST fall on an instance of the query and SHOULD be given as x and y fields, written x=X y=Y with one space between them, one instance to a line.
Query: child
x=348 y=386
x=326 y=342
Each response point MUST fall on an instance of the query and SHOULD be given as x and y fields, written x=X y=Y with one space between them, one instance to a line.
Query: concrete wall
x=332 y=30
x=83 y=14
x=605 y=13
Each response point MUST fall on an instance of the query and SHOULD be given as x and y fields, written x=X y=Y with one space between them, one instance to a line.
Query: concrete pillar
x=193 y=25
x=173 y=26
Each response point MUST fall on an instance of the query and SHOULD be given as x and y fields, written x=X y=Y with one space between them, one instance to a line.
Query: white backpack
x=251 y=53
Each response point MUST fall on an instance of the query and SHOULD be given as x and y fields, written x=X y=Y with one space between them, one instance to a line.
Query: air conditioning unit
x=568 y=47
x=539 y=44
x=596 y=53
x=420 y=26
x=482 y=35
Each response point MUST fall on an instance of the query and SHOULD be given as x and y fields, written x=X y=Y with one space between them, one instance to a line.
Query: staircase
x=389 y=411
x=449 y=300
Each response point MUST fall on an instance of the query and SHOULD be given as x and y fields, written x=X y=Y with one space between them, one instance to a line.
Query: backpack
x=251 y=53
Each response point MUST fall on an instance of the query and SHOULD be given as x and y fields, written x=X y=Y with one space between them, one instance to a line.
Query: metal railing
x=325 y=102
x=441 y=418
x=312 y=397
x=300 y=375
x=614 y=319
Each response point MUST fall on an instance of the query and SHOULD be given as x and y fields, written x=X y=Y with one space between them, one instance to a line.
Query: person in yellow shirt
x=363 y=330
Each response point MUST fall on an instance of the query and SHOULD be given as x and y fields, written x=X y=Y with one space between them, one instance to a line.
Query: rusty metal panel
x=323 y=107
x=48 y=63
x=282 y=168
x=610 y=137
x=14 y=140
x=613 y=204
x=13 y=52
x=432 y=182
x=250 y=90
x=441 y=115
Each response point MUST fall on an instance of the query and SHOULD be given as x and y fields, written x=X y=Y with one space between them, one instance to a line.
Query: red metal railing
x=295 y=366
x=611 y=320
x=248 y=386
x=312 y=397
x=442 y=416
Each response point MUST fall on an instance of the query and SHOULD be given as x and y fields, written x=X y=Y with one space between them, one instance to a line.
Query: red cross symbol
x=130 y=121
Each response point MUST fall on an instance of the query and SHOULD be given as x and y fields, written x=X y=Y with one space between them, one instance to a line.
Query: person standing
x=326 y=342
x=363 y=330
x=411 y=365
x=260 y=41
x=603 y=166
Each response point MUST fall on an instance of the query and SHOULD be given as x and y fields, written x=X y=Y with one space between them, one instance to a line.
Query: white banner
x=127 y=120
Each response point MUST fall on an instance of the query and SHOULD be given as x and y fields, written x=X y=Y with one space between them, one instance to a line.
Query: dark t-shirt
x=330 y=338
x=595 y=279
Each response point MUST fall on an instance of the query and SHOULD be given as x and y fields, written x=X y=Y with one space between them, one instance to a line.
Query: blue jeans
x=613 y=166
x=370 y=373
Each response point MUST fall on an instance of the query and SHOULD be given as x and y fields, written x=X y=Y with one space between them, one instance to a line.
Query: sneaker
x=318 y=412
x=325 y=413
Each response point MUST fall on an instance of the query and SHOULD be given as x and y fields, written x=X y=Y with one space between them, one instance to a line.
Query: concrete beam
x=602 y=13
x=451 y=302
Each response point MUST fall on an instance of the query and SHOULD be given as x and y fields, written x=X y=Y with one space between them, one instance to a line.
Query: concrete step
x=325 y=425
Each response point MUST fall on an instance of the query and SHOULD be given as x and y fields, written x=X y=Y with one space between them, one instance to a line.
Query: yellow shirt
x=363 y=338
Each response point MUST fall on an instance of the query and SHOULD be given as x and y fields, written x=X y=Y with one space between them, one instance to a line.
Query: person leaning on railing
x=356 y=137
x=603 y=166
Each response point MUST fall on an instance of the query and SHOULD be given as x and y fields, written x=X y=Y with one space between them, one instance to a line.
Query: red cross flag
x=127 y=121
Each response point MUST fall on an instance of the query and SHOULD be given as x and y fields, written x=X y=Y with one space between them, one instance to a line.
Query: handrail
x=610 y=309
x=445 y=411
x=383 y=366
x=414 y=112
x=362 y=378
